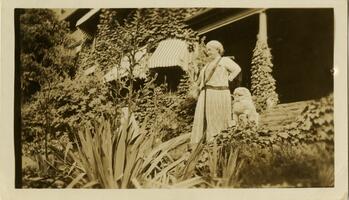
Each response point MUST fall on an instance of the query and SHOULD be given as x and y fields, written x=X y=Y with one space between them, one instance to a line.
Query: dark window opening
x=170 y=76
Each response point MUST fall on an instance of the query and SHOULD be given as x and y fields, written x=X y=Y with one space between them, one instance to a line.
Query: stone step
x=280 y=123
x=284 y=108
x=293 y=104
x=285 y=114
x=287 y=107
x=282 y=114
x=279 y=117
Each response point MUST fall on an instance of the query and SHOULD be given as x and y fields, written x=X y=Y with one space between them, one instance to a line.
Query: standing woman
x=213 y=109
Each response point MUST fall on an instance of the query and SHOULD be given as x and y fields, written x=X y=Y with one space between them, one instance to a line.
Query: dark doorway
x=302 y=47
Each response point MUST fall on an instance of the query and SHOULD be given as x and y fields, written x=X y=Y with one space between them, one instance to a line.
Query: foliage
x=90 y=98
x=299 y=155
x=198 y=61
x=64 y=103
x=317 y=120
x=286 y=165
x=141 y=28
x=262 y=82
x=45 y=59
x=220 y=165
x=44 y=51
x=180 y=173
x=266 y=161
x=314 y=125
x=171 y=113
x=129 y=155
x=71 y=103
x=118 y=44
x=91 y=139
x=55 y=171
x=239 y=157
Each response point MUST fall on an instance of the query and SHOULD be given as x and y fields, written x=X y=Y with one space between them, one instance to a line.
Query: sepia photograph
x=175 y=97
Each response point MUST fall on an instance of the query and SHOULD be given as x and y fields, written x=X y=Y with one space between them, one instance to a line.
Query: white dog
x=243 y=106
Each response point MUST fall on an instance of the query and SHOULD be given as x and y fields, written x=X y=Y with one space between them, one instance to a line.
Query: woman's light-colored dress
x=218 y=102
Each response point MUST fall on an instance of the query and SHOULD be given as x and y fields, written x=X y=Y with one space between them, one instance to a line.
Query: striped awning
x=169 y=53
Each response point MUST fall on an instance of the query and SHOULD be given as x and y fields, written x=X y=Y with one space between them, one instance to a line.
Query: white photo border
x=7 y=162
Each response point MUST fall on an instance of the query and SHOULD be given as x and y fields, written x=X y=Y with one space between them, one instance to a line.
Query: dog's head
x=242 y=93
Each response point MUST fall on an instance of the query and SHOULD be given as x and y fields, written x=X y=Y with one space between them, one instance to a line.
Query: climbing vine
x=315 y=124
x=263 y=85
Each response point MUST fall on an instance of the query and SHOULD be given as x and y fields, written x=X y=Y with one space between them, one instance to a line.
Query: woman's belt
x=215 y=87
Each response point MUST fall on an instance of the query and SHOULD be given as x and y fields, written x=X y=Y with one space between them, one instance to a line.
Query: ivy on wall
x=315 y=124
x=124 y=34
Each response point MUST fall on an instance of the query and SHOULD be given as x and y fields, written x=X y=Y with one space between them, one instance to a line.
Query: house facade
x=301 y=42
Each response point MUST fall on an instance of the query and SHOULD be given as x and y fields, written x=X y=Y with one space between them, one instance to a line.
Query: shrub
x=314 y=125
x=171 y=113
x=287 y=166
x=67 y=105
x=299 y=155
x=45 y=50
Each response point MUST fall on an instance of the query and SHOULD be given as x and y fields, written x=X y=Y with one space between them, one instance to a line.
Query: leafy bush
x=45 y=59
x=299 y=155
x=287 y=166
x=54 y=171
x=280 y=163
x=171 y=113
x=67 y=105
x=314 y=125
x=45 y=52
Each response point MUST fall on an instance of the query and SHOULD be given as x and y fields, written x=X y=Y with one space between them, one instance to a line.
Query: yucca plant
x=231 y=168
x=179 y=173
x=122 y=155
x=223 y=166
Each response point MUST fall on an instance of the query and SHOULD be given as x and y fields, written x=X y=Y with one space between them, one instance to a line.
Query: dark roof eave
x=215 y=18
x=68 y=15
x=191 y=18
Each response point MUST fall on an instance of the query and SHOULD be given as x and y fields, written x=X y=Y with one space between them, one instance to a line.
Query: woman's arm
x=232 y=67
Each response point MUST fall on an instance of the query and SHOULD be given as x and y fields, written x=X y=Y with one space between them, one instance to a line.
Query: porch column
x=262 y=34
